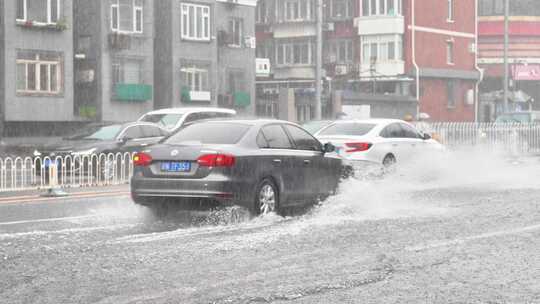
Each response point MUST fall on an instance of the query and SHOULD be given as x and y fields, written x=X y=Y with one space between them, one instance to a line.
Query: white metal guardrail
x=30 y=173
x=517 y=138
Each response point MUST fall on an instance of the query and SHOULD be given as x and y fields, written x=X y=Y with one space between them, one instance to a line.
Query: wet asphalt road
x=428 y=238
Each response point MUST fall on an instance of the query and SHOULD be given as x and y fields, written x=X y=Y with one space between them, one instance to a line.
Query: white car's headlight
x=84 y=152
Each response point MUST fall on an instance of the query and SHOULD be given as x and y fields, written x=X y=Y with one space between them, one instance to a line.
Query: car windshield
x=97 y=133
x=514 y=117
x=210 y=133
x=314 y=126
x=351 y=129
x=168 y=121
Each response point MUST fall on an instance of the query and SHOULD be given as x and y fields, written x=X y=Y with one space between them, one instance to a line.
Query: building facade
x=205 y=54
x=36 y=66
x=114 y=59
x=384 y=58
x=524 y=56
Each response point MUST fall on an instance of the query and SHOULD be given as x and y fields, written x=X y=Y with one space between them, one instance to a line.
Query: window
x=40 y=11
x=342 y=51
x=340 y=9
x=295 y=10
x=381 y=7
x=262 y=12
x=392 y=131
x=408 y=131
x=451 y=93
x=347 y=129
x=276 y=137
x=195 y=78
x=303 y=140
x=126 y=71
x=133 y=132
x=152 y=131
x=38 y=73
x=224 y=133
x=127 y=16
x=381 y=48
x=297 y=53
x=195 y=21
x=450 y=52
x=235 y=30
x=450 y=10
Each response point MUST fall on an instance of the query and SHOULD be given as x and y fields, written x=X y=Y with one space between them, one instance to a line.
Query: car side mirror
x=124 y=140
x=426 y=136
x=328 y=148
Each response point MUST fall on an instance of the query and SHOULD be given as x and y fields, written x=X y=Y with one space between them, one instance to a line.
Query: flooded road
x=442 y=234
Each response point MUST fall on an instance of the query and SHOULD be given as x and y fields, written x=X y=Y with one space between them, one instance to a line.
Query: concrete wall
x=24 y=107
x=163 y=52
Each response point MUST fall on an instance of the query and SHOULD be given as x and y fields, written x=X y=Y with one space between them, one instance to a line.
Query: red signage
x=526 y=72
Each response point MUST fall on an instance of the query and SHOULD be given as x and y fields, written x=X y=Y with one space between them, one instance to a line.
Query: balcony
x=383 y=69
x=132 y=92
x=380 y=25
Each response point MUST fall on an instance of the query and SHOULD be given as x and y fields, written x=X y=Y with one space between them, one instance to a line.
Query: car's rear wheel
x=267 y=198
x=389 y=161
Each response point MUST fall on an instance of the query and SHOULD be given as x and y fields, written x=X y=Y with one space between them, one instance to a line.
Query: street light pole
x=505 y=85
x=318 y=67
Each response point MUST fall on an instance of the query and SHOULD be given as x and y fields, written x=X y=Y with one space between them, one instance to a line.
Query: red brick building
x=393 y=57
x=524 y=55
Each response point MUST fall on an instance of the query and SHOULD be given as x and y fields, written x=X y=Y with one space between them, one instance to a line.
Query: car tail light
x=216 y=160
x=141 y=159
x=358 y=146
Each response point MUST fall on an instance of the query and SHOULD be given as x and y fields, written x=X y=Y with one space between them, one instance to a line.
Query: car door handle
x=307 y=162
x=277 y=161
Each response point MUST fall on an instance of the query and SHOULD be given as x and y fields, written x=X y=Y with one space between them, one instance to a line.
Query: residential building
x=383 y=58
x=114 y=53
x=36 y=67
x=523 y=56
x=205 y=54
x=419 y=53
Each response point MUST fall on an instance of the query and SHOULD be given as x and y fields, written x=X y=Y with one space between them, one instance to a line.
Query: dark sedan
x=96 y=139
x=264 y=165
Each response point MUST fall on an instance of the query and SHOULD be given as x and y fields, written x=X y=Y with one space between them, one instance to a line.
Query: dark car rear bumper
x=222 y=190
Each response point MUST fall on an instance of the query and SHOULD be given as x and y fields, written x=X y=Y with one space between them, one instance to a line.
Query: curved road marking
x=474 y=237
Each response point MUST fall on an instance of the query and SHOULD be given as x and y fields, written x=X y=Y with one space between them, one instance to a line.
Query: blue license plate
x=176 y=166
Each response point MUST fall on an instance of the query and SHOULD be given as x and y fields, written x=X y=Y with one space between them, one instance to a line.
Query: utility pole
x=318 y=68
x=505 y=85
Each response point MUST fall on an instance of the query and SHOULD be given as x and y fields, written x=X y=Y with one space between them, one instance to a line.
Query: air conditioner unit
x=262 y=67
x=328 y=26
x=341 y=70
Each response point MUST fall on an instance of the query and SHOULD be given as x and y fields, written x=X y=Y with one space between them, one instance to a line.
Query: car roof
x=370 y=121
x=186 y=110
x=247 y=121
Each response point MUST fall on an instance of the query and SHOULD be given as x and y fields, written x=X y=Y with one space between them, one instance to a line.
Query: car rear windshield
x=96 y=133
x=221 y=133
x=168 y=121
x=350 y=129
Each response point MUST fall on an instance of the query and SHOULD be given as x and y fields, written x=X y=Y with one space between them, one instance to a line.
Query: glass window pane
x=276 y=137
x=44 y=77
x=20 y=9
x=191 y=21
x=32 y=76
x=138 y=20
x=114 y=17
x=373 y=7
x=365 y=7
x=54 y=77
x=54 y=10
x=198 y=17
x=390 y=7
x=391 y=50
x=37 y=10
x=126 y=15
x=21 y=77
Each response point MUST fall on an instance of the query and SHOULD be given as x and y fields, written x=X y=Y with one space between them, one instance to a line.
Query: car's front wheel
x=266 y=198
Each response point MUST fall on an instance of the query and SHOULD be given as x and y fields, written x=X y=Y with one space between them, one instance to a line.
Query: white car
x=376 y=141
x=173 y=118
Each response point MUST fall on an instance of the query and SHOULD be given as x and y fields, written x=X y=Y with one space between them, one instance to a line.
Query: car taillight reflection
x=357 y=146
x=141 y=159
x=216 y=160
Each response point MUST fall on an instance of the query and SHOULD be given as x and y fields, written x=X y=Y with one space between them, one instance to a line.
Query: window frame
x=450 y=56
x=191 y=74
x=136 y=6
x=233 y=24
x=291 y=144
x=38 y=65
x=48 y=13
x=450 y=7
x=367 y=43
x=185 y=27
x=376 y=10
x=295 y=144
x=451 y=88
x=287 y=51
